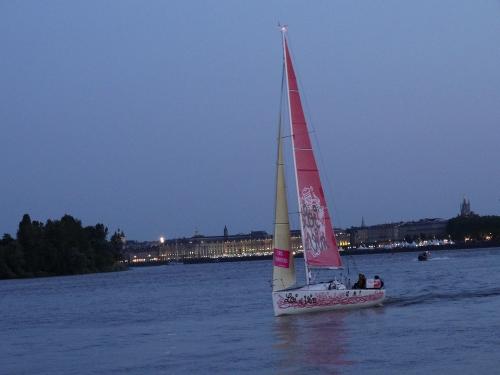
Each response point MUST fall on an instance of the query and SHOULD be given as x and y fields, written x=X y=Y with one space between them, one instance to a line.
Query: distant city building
x=253 y=243
x=425 y=229
x=400 y=231
x=374 y=234
x=465 y=208
x=260 y=242
x=343 y=238
x=199 y=246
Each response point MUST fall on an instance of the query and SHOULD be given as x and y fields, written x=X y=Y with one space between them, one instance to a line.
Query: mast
x=284 y=29
x=283 y=262
x=318 y=238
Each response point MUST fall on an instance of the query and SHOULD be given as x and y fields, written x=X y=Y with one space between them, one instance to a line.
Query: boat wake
x=433 y=259
x=438 y=258
x=440 y=297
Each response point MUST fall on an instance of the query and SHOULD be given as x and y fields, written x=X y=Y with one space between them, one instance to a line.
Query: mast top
x=283 y=28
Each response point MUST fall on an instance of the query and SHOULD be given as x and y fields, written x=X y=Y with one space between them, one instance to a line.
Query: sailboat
x=318 y=238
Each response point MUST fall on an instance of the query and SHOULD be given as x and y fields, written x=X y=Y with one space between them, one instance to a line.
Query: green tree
x=474 y=227
x=60 y=247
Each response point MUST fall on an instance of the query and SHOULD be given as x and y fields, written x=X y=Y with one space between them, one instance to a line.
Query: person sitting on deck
x=377 y=285
x=361 y=283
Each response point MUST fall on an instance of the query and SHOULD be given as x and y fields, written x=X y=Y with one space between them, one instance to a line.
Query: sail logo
x=281 y=258
x=313 y=222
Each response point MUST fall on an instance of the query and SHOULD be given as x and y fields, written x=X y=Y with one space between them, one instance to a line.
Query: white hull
x=313 y=298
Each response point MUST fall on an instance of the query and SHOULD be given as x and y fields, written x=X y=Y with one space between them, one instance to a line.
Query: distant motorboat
x=424 y=256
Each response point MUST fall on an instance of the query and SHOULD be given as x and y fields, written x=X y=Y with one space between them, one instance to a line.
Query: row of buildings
x=258 y=243
x=425 y=229
x=252 y=244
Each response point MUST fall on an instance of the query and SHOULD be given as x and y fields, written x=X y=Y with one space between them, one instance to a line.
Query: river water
x=441 y=316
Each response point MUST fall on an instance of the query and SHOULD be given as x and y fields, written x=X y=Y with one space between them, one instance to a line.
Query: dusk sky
x=160 y=117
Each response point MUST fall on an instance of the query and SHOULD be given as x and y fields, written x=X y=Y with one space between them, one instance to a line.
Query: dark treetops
x=58 y=247
x=474 y=227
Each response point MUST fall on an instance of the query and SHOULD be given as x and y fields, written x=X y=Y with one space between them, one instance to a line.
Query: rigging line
x=355 y=266
x=293 y=215
x=289 y=171
x=286 y=151
x=329 y=187
x=280 y=117
x=322 y=163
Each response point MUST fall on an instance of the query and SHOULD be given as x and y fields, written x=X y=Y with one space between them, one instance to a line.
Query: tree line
x=59 y=247
x=475 y=227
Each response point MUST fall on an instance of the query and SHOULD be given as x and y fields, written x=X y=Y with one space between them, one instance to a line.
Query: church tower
x=465 y=208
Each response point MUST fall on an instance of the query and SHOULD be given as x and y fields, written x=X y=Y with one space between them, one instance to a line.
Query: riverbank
x=456 y=246
x=117 y=267
x=350 y=252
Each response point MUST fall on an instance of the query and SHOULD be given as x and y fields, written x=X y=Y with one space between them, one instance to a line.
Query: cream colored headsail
x=283 y=264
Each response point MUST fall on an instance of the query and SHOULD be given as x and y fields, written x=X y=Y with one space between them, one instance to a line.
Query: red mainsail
x=318 y=239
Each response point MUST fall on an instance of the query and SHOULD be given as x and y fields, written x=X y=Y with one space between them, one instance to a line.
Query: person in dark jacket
x=361 y=283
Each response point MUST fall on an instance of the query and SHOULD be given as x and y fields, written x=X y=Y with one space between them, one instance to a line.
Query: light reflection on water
x=317 y=340
x=440 y=317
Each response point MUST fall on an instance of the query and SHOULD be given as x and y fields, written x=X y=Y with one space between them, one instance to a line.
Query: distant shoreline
x=456 y=246
x=460 y=246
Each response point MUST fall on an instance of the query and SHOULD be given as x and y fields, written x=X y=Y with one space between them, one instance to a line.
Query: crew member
x=361 y=283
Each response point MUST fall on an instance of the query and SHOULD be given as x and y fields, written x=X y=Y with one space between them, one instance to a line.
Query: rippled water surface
x=441 y=316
